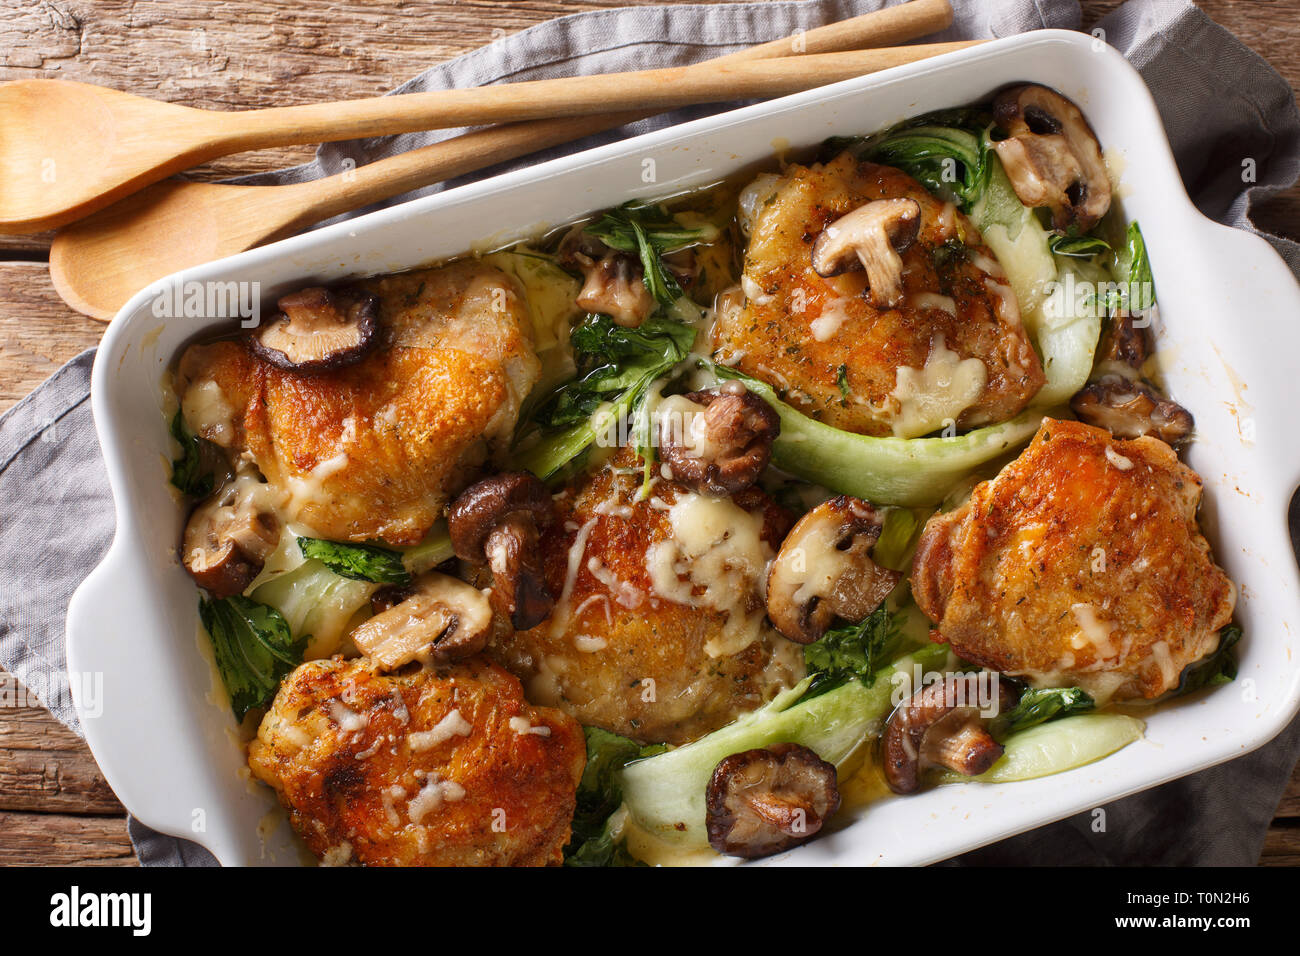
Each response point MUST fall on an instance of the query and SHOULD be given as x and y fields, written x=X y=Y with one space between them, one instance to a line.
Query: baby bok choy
x=620 y=366
x=253 y=646
x=664 y=795
x=319 y=587
x=1055 y=747
x=911 y=472
x=617 y=364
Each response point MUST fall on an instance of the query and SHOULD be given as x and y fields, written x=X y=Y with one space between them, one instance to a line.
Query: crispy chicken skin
x=1080 y=564
x=375 y=450
x=615 y=652
x=803 y=334
x=420 y=768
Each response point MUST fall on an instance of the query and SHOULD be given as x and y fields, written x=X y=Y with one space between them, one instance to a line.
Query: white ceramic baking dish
x=1228 y=304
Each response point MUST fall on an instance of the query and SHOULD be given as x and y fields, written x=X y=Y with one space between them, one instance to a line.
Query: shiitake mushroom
x=318 y=330
x=769 y=799
x=724 y=442
x=496 y=521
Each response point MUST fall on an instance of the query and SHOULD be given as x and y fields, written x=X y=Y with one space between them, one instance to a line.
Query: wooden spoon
x=71 y=148
x=99 y=263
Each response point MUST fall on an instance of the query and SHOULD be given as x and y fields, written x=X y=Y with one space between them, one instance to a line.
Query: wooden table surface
x=55 y=807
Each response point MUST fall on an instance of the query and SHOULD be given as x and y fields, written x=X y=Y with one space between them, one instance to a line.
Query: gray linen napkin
x=1220 y=102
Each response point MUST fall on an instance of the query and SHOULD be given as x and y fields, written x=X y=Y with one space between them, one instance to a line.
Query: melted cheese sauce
x=716 y=559
x=1118 y=460
x=833 y=316
x=453 y=725
x=1004 y=299
x=1093 y=632
x=207 y=412
x=930 y=397
x=685 y=426
x=931 y=300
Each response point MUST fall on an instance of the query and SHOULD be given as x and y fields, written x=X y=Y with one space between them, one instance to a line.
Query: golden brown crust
x=616 y=654
x=772 y=336
x=388 y=439
x=376 y=450
x=1080 y=563
x=341 y=745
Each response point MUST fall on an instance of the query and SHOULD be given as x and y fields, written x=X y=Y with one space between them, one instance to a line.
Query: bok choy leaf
x=360 y=562
x=1055 y=747
x=650 y=232
x=945 y=160
x=315 y=601
x=253 y=647
x=593 y=842
x=851 y=651
x=620 y=365
x=1039 y=706
x=896 y=471
x=1219 y=668
x=192 y=472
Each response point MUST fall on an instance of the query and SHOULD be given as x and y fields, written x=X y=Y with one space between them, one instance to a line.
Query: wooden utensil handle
x=647 y=90
x=479 y=149
x=881 y=28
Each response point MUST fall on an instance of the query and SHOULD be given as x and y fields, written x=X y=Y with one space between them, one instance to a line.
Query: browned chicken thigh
x=659 y=631
x=375 y=449
x=1080 y=564
x=446 y=767
x=944 y=345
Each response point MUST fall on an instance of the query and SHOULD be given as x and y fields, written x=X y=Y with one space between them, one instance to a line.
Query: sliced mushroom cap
x=1051 y=155
x=870 y=238
x=938 y=727
x=769 y=799
x=497 y=521
x=442 y=619
x=824 y=570
x=613 y=282
x=229 y=535
x=717 y=442
x=317 y=330
x=615 y=287
x=1131 y=409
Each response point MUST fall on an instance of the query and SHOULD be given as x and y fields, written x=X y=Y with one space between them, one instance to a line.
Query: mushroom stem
x=967 y=749
x=785 y=815
x=871 y=238
x=936 y=728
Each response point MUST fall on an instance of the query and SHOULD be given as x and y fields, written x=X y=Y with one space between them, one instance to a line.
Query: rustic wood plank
x=44 y=766
x=38 y=333
x=1290 y=804
x=52 y=839
x=1281 y=846
x=54 y=781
